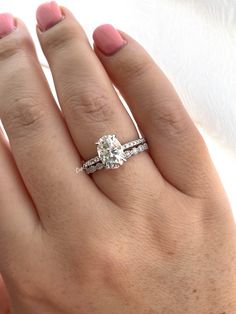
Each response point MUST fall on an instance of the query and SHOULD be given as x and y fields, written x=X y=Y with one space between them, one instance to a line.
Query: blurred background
x=194 y=41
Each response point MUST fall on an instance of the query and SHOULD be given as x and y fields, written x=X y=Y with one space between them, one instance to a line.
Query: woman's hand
x=154 y=236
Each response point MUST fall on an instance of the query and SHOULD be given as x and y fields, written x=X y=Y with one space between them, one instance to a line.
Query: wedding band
x=112 y=154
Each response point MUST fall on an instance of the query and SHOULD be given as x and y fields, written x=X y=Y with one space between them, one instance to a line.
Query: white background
x=194 y=41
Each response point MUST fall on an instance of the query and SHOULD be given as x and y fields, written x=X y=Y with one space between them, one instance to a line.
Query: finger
x=90 y=104
x=175 y=144
x=41 y=145
x=18 y=217
x=4 y=300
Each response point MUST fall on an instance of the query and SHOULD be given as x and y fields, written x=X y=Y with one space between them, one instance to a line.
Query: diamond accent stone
x=134 y=143
x=110 y=152
x=99 y=166
x=92 y=169
x=135 y=151
x=128 y=153
x=140 y=148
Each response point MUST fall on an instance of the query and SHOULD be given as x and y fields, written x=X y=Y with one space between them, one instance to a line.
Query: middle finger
x=40 y=143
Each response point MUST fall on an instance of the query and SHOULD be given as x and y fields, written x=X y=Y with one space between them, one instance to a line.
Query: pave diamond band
x=112 y=154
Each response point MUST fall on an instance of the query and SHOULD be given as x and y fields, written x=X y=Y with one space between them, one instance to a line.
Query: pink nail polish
x=7 y=24
x=108 y=39
x=48 y=14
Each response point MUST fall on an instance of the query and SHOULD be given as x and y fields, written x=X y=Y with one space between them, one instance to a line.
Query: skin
x=156 y=236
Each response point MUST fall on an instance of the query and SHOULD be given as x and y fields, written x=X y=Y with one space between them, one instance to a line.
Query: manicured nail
x=108 y=39
x=48 y=14
x=7 y=24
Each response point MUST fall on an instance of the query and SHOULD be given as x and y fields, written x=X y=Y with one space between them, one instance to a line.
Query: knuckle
x=15 y=46
x=109 y=268
x=90 y=107
x=57 y=40
x=24 y=115
x=28 y=288
x=20 y=277
x=20 y=269
x=108 y=264
x=134 y=67
x=168 y=117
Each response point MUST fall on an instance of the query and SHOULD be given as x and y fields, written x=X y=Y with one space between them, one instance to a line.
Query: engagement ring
x=112 y=154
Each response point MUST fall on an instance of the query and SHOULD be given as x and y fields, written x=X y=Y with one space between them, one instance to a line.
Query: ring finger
x=89 y=102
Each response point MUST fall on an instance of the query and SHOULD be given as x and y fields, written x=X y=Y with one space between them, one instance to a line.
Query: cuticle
x=58 y=22
x=15 y=27
x=9 y=33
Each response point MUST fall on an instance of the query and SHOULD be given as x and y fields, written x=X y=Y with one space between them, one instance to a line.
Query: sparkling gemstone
x=128 y=153
x=92 y=169
x=140 y=148
x=110 y=151
x=99 y=165
x=135 y=151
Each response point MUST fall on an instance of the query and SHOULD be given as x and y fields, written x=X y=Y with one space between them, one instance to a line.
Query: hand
x=154 y=236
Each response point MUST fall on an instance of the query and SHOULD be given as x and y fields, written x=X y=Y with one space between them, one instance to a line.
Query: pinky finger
x=4 y=300
x=17 y=214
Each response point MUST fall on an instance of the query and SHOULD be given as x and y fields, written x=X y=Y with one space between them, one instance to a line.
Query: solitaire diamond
x=110 y=152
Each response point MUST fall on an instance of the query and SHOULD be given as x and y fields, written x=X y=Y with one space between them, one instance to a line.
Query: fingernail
x=48 y=14
x=108 y=39
x=7 y=24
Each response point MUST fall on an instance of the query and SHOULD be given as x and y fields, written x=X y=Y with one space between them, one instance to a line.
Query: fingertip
x=48 y=14
x=108 y=39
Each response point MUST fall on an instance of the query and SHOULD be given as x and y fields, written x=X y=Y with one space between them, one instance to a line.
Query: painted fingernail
x=7 y=24
x=108 y=39
x=48 y=14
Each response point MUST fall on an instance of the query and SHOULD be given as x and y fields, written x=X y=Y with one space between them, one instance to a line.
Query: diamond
x=135 y=151
x=140 y=148
x=110 y=152
x=128 y=153
x=92 y=169
x=99 y=166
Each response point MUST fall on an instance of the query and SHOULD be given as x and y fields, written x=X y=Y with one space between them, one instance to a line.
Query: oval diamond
x=110 y=151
